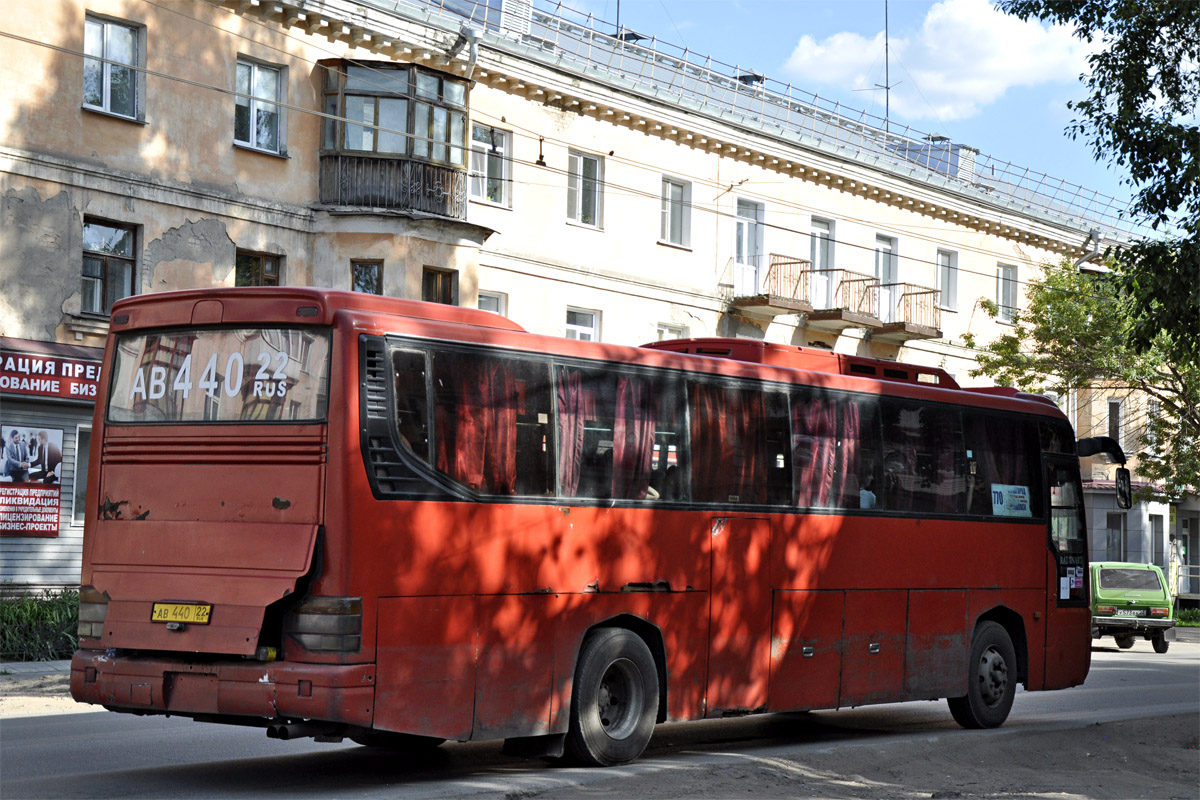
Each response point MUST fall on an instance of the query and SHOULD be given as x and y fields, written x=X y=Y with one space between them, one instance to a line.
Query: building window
x=111 y=80
x=496 y=302
x=585 y=188
x=676 y=226
x=583 y=324
x=1115 y=546
x=1156 y=536
x=108 y=265
x=821 y=244
x=257 y=269
x=83 y=446
x=748 y=232
x=491 y=164
x=886 y=272
x=947 y=279
x=667 y=331
x=1116 y=425
x=1006 y=292
x=439 y=286
x=258 y=121
x=366 y=276
x=402 y=111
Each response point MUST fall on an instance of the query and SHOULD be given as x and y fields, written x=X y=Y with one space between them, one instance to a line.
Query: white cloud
x=966 y=55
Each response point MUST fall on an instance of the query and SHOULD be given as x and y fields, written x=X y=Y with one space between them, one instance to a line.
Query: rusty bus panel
x=806 y=650
x=938 y=644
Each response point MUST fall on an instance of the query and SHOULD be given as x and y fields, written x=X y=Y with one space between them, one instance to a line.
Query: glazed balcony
x=395 y=184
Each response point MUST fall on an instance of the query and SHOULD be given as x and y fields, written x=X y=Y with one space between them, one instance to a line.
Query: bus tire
x=991 y=680
x=1124 y=641
x=1160 y=643
x=614 y=701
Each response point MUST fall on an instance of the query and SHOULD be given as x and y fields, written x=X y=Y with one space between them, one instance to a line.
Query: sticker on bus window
x=1064 y=588
x=1010 y=501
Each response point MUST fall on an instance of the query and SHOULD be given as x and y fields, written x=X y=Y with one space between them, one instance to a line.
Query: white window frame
x=79 y=510
x=1006 y=291
x=577 y=190
x=748 y=245
x=487 y=157
x=583 y=333
x=255 y=104
x=667 y=330
x=676 y=212
x=106 y=24
x=1116 y=549
x=947 y=279
x=500 y=298
x=821 y=243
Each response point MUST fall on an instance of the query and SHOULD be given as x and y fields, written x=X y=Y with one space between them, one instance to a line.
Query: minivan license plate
x=1131 y=612
x=191 y=613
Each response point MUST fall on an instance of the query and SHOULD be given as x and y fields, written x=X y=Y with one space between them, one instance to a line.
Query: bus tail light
x=1160 y=612
x=1105 y=611
x=326 y=624
x=93 y=607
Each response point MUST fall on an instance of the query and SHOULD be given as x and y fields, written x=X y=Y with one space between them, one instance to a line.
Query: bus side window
x=1002 y=464
x=412 y=405
x=729 y=445
x=921 y=470
x=620 y=434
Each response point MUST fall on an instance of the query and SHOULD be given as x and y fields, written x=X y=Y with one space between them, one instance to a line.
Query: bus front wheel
x=991 y=680
x=614 y=701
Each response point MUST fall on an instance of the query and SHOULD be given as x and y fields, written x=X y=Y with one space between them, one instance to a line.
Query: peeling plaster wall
x=195 y=255
x=37 y=232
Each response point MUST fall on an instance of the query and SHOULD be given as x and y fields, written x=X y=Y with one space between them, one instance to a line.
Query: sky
x=958 y=68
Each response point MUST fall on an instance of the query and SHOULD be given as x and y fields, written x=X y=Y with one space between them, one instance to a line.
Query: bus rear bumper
x=248 y=689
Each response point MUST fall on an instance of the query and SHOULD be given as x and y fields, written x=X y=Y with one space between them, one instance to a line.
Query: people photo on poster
x=30 y=478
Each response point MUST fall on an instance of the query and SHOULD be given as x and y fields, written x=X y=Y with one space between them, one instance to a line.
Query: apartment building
x=584 y=180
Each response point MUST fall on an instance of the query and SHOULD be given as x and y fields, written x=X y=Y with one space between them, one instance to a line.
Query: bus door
x=1068 y=620
x=739 y=654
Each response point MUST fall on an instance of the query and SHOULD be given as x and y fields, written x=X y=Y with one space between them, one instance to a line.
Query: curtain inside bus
x=476 y=421
x=728 y=444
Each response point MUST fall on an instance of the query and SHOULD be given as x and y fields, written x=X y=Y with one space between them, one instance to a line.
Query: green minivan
x=1130 y=601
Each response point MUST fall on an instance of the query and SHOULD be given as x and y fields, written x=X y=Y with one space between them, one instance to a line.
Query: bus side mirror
x=1124 y=489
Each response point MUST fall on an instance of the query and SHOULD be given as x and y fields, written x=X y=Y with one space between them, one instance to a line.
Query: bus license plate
x=1131 y=612
x=191 y=613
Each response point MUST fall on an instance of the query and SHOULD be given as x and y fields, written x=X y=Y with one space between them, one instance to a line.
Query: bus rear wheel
x=991 y=680
x=614 y=701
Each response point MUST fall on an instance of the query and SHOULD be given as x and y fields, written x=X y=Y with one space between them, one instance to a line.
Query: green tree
x=1141 y=111
x=1071 y=337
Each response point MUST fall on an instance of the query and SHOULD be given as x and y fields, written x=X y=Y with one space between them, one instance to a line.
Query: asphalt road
x=116 y=755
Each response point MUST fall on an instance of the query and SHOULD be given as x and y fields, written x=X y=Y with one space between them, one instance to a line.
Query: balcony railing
x=784 y=275
x=842 y=290
x=393 y=183
x=908 y=304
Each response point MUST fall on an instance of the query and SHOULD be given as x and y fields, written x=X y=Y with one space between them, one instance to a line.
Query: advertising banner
x=30 y=480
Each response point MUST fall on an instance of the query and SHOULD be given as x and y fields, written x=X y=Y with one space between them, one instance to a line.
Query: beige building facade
x=581 y=179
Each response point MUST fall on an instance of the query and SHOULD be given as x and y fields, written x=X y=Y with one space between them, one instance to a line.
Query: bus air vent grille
x=376 y=383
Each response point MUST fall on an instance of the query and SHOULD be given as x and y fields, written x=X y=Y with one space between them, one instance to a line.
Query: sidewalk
x=33 y=669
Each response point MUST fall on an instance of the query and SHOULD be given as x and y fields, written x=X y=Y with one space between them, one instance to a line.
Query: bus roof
x=305 y=305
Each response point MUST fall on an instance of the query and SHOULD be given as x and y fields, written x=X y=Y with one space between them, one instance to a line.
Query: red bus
x=339 y=515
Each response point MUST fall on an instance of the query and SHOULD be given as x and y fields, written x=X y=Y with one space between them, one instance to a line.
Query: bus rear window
x=205 y=375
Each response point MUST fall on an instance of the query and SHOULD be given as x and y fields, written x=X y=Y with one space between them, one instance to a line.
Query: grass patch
x=39 y=628
x=1188 y=617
